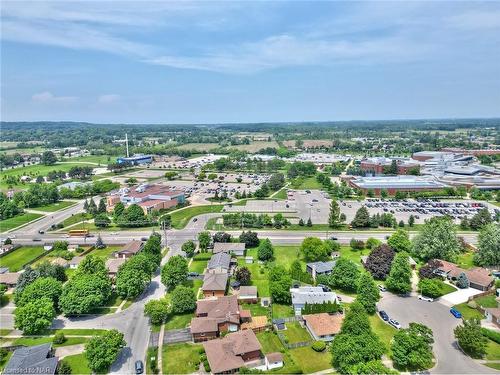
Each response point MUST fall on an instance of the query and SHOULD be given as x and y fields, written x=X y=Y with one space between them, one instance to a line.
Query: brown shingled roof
x=324 y=324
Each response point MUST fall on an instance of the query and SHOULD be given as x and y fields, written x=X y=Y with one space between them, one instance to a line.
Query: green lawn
x=106 y=252
x=493 y=351
x=282 y=311
x=80 y=331
x=178 y=321
x=198 y=266
x=5 y=331
x=32 y=341
x=73 y=219
x=311 y=361
x=354 y=255
x=255 y=308
x=259 y=276
x=181 y=358
x=53 y=207
x=383 y=330
x=465 y=260
x=467 y=312
x=447 y=288
x=4 y=361
x=281 y=194
x=99 y=159
x=271 y=344
x=487 y=301
x=78 y=364
x=295 y=333
x=303 y=183
x=151 y=355
x=17 y=221
x=16 y=259
x=181 y=218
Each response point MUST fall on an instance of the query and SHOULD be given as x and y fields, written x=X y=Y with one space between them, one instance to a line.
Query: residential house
x=215 y=284
x=234 y=351
x=9 y=278
x=113 y=265
x=130 y=249
x=220 y=262
x=493 y=315
x=248 y=294
x=60 y=262
x=75 y=262
x=213 y=316
x=479 y=278
x=237 y=249
x=323 y=326
x=319 y=268
x=310 y=295
x=32 y=360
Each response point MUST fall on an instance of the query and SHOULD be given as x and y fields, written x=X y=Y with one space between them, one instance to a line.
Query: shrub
x=318 y=346
x=492 y=335
x=59 y=338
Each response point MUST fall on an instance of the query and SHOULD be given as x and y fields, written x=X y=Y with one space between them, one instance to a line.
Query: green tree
x=412 y=348
x=265 y=252
x=437 y=240
x=92 y=265
x=183 y=300
x=372 y=367
x=368 y=293
x=400 y=241
x=313 y=249
x=309 y=222
x=101 y=208
x=362 y=218
x=250 y=239
x=157 y=310
x=463 y=281
x=43 y=287
x=345 y=275
x=118 y=211
x=48 y=158
x=488 y=250
x=411 y=221
x=174 y=272
x=131 y=280
x=83 y=293
x=399 y=279
x=204 y=240
x=296 y=270
x=243 y=275
x=63 y=368
x=35 y=316
x=102 y=221
x=470 y=338
x=280 y=289
x=334 y=216
x=103 y=349
x=430 y=287
x=480 y=219
x=133 y=216
x=92 y=208
x=189 y=248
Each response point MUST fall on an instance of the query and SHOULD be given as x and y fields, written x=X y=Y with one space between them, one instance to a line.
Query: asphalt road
x=450 y=359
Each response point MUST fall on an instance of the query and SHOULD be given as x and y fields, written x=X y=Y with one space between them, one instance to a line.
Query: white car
x=394 y=323
x=424 y=298
x=382 y=288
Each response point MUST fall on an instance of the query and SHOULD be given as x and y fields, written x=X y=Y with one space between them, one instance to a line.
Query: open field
x=78 y=364
x=383 y=330
x=106 y=252
x=16 y=259
x=17 y=221
x=303 y=183
x=98 y=159
x=76 y=218
x=198 y=146
x=55 y=206
x=32 y=341
x=178 y=321
x=256 y=146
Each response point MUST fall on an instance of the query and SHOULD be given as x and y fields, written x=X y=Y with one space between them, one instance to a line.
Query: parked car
x=144 y=238
x=139 y=367
x=424 y=298
x=383 y=315
x=457 y=314
x=41 y=231
x=394 y=323
x=382 y=288
x=195 y=220
x=36 y=239
x=333 y=238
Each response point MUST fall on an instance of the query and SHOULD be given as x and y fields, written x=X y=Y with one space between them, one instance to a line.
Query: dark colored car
x=333 y=238
x=384 y=315
x=139 y=367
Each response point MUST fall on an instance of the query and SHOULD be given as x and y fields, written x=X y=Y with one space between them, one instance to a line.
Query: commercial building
x=393 y=184
x=135 y=159
x=378 y=165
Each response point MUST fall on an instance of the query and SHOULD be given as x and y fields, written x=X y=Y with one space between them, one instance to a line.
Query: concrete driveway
x=450 y=359
x=460 y=296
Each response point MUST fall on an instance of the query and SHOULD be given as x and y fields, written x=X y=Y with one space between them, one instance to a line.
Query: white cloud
x=108 y=98
x=48 y=97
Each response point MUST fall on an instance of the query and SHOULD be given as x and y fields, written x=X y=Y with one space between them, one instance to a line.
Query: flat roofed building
x=377 y=165
x=393 y=184
x=136 y=159
x=311 y=295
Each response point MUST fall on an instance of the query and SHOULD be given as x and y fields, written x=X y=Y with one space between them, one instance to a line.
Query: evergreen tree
x=334 y=217
x=399 y=279
x=368 y=293
x=102 y=206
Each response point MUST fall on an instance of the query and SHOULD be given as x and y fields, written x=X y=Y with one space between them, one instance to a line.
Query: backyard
x=15 y=260
x=78 y=364
x=295 y=333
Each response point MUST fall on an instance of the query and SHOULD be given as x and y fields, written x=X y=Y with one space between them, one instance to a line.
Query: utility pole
x=126 y=143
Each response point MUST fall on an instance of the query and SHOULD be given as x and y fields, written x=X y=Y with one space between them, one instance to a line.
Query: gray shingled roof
x=32 y=360
x=311 y=295
x=322 y=267
x=219 y=260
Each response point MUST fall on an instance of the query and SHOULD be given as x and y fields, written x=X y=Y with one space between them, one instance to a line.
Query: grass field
x=106 y=252
x=487 y=301
x=17 y=221
x=78 y=364
x=32 y=341
x=198 y=266
x=16 y=259
x=302 y=183
x=255 y=147
x=178 y=321
x=55 y=206
x=255 y=308
x=493 y=351
x=353 y=255
x=271 y=344
x=198 y=146
x=80 y=331
x=383 y=330
x=465 y=260
x=181 y=358
x=98 y=159
x=281 y=194
x=181 y=218
x=4 y=360
x=73 y=219
x=294 y=333
x=467 y=312
x=282 y=311
x=311 y=361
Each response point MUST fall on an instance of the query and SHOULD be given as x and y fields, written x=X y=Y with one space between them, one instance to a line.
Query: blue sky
x=212 y=62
